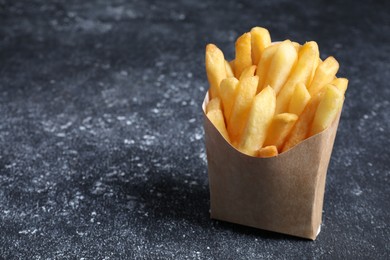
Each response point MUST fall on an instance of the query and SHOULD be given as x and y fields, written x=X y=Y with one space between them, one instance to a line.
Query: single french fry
x=302 y=126
x=245 y=92
x=216 y=117
x=278 y=130
x=259 y=119
x=243 y=54
x=214 y=104
x=324 y=74
x=281 y=65
x=307 y=57
x=228 y=91
x=341 y=84
x=261 y=39
x=327 y=110
x=215 y=68
x=248 y=72
x=299 y=99
x=267 y=151
x=313 y=72
x=264 y=63
x=229 y=70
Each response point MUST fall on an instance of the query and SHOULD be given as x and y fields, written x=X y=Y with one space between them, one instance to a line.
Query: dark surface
x=101 y=139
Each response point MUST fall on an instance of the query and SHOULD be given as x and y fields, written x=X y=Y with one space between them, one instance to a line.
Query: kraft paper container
x=282 y=194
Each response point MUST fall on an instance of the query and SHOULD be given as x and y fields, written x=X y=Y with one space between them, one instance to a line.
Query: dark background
x=101 y=139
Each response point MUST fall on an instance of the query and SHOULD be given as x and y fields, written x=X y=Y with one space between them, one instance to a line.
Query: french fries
x=264 y=63
x=245 y=92
x=297 y=46
x=282 y=62
x=216 y=117
x=248 y=72
x=341 y=84
x=307 y=57
x=231 y=63
x=215 y=68
x=279 y=129
x=267 y=151
x=228 y=91
x=299 y=99
x=229 y=70
x=327 y=110
x=317 y=62
x=272 y=96
x=243 y=54
x=301 y=128
x=324 y=74
x=214 y=104
x=259 y=119
x=260 y=40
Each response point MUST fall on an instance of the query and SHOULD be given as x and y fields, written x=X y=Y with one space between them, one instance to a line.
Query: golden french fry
x=302 y=126
x=228 y=91
x=243 y=54
x=327 y=110
x=325 y=73
x=215 y=68
x=245 y=92
x=299 y=99
x=261 y=39
x=229 y=70
x=248 y=72
x=264 y=63
x=278 y=130
x=216 y=117
x=214 y=104
x=281 y=65
x=307 y=57
x=267 y=151
x=313 y=72
x=259 y=119
x=341 y=84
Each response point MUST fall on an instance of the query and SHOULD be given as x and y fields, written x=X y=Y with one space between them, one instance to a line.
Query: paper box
x=282 y=194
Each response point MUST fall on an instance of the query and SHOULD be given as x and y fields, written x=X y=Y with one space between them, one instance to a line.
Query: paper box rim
x=313 y=234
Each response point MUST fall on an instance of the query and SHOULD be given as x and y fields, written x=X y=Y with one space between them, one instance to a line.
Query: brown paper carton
x=282 y=194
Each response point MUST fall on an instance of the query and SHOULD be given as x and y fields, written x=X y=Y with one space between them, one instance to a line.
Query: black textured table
x=101 y=139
